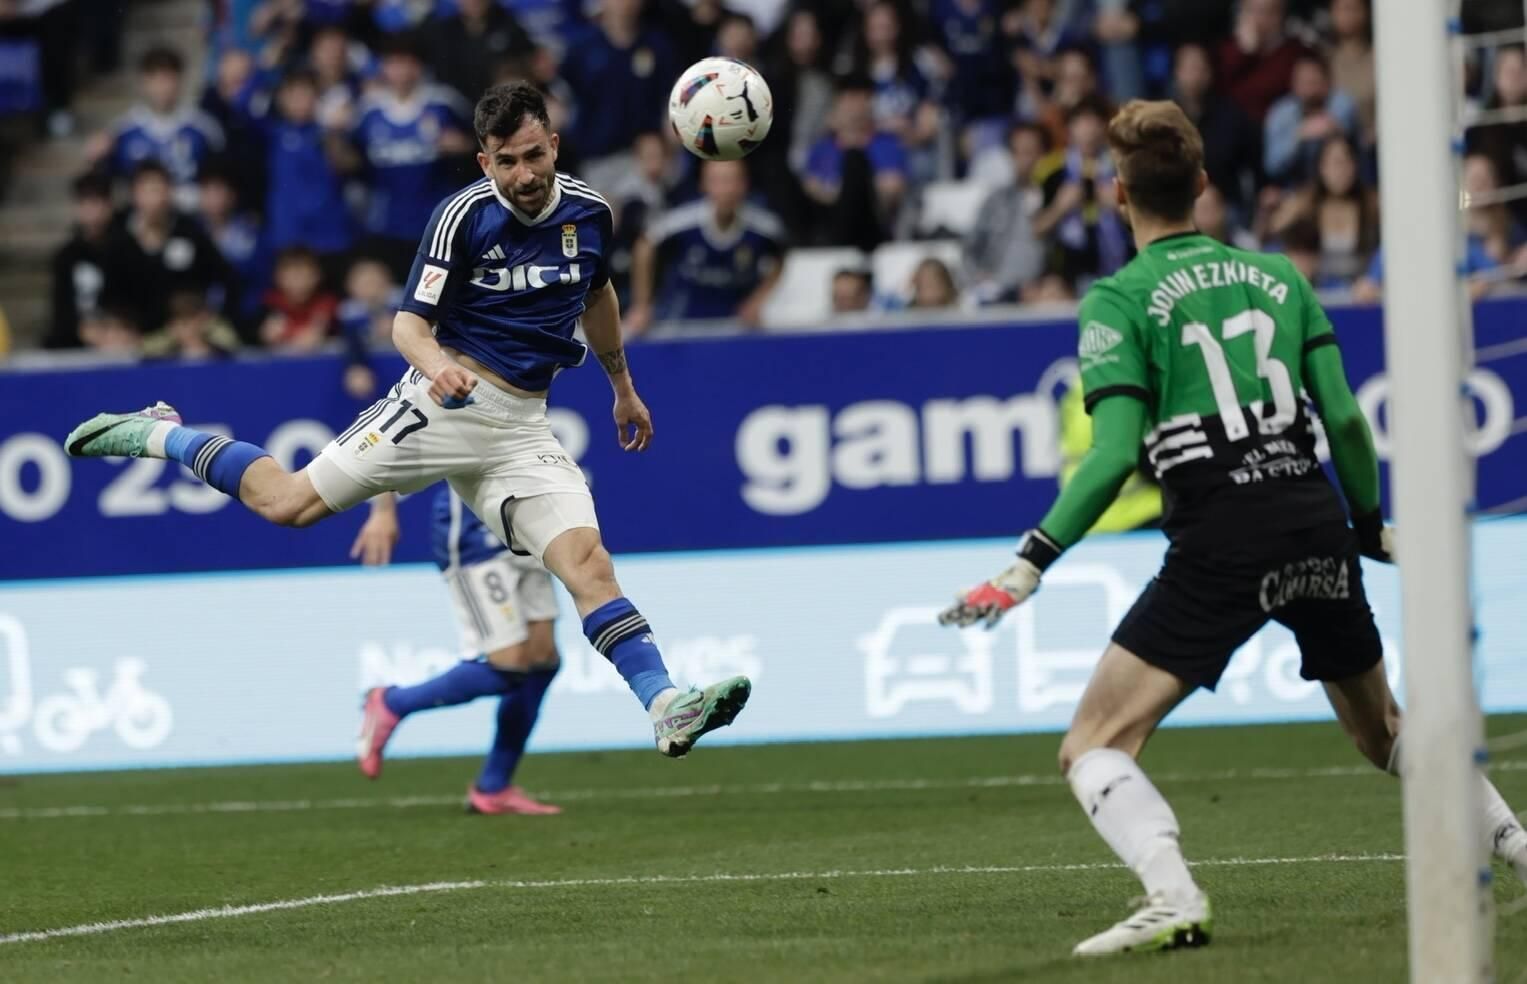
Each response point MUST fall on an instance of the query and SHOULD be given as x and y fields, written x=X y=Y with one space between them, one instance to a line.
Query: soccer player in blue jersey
x=505 y=608
x=508 y=269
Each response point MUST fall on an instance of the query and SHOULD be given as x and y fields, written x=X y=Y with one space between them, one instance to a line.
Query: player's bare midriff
x=488 y=375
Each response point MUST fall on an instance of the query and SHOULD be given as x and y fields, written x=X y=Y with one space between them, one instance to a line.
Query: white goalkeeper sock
x=1498 y=826
x=1134 y=819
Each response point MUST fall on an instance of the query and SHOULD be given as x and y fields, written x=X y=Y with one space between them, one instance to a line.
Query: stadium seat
x=803 y=297
x=950 y=208
x=894 y=263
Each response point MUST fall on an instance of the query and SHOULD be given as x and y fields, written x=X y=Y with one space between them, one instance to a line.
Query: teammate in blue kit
x=508 y=269
x=505 y=608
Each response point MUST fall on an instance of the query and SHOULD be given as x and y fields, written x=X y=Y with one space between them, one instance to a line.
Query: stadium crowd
x=278 y=201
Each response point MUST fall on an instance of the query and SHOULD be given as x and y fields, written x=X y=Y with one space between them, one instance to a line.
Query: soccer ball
x=721 y=109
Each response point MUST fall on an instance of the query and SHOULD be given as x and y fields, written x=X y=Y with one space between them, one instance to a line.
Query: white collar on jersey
x=524 y=217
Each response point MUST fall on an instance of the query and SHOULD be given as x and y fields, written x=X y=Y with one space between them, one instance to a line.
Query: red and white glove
x=988 y=602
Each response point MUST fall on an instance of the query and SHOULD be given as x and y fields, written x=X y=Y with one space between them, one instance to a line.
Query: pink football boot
x=377 y=723
x=510 y=800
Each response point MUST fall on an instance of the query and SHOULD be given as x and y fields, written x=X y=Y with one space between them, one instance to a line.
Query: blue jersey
x=709 y=271
x=508 y=288
x=457 y=536
x=181 y=142
x=401 y=144
x=305 y=199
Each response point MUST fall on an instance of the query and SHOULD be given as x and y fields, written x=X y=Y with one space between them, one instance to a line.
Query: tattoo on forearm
x=614 y=362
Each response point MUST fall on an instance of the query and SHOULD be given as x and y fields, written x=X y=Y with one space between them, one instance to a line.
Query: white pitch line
x=386 y=891
x=675 y=792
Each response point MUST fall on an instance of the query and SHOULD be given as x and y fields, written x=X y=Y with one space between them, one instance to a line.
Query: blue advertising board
x=841 y=642
x=884 y=436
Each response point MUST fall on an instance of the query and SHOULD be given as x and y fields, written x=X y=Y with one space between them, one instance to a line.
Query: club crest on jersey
x=570 y=241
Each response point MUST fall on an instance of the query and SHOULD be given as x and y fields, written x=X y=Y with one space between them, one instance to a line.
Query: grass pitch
x=953 y=861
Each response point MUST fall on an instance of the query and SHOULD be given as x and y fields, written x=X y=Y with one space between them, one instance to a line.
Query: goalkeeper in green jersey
x=1200 y=354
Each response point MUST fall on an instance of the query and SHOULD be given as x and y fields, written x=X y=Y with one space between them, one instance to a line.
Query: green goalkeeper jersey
x=1212 y=339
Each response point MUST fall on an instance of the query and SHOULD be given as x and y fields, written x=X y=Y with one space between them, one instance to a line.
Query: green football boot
x=118 y=435
x=698 y=712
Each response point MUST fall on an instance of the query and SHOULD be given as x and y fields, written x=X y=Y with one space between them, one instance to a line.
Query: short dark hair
x=187 y=304
x=1312 y=57
x=217 y=171
x=161 y=59
x=297 y=254
x=1093 y=105
x=1301 y=237
x=402 y=45
x=91 y=184
x=300 y=75
x=502 y=110
x=853 y=82
x=1159 y=155
x=1046 y=141
x=151 y=168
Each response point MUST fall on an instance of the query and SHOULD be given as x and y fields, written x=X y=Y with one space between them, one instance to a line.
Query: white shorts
x=497 y=598
x=497 y=452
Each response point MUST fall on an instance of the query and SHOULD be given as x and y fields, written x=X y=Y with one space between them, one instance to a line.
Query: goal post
x=1425 y=325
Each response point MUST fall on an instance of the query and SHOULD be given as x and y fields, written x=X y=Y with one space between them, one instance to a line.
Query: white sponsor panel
x=841 y=642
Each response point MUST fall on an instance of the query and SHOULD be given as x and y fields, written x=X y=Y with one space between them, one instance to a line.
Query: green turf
x=875 y=807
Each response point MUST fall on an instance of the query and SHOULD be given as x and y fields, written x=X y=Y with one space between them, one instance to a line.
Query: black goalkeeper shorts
x=1213 y=595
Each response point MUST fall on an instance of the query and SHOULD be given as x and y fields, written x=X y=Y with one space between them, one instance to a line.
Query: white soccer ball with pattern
x=721 y=109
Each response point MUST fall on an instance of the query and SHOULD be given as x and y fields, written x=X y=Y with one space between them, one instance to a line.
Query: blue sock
x=623 y=637
x=219 y=461
x=467 y=680
x=517 y=711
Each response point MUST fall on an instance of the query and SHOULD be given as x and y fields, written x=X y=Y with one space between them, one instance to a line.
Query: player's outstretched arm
x=1352 y=450
x=450 y=382
x=1118 y=426
x=379 y=534
x=601 y=326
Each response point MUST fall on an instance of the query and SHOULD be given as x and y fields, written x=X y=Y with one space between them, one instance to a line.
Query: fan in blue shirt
x=404 y=133
x=719 y=257
x=159 y=128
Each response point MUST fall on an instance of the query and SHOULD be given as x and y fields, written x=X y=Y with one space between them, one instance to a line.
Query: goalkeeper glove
x=988 y=602
x=1375 y=540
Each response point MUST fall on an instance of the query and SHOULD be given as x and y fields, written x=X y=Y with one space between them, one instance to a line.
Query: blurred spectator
x=619 y=73
x=1350 y=55
x=225 y=100
x=933 y=286
x=1213 y=218
x=403 y=132
x=40 y=44
x=1076 y=79
x=1300 y=123
x=1117 y=29
x=155 y=250
x=1003 y=253
x=637 y=200
x=1232 y=144
x=859 y=174
x=852 y=291
x=1344 y=211
x=298 y=312
x=1257 y=62
x=337 y=70
x=736 y=37
x=1506 y=143
x=365 y=319
x=903 y=101
x=1081 y=214
x=159 y=128
x=1301 y=244
x=193 y=331
x=801 y=87
x=1036 y=31
x=981 y=79
x=237 y=237
x=1494 y=250
x=462 y=49
x=715 y=258
x=305 y=202
x=79 y=266
x=110 y=328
